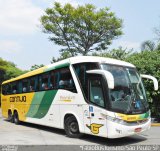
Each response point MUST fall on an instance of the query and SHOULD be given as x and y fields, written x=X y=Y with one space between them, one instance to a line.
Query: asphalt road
x=31 y=134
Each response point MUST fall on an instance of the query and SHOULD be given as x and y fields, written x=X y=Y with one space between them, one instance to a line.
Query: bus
x=82 y=95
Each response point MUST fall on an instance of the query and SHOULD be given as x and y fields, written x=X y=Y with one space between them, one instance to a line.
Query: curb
x=155 y=124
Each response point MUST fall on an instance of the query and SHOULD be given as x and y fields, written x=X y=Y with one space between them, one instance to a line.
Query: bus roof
x=72 y=60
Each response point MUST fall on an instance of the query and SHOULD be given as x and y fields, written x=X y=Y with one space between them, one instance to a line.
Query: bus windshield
x=128 y=95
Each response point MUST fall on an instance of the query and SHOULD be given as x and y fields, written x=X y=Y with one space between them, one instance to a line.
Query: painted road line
x=155 y=124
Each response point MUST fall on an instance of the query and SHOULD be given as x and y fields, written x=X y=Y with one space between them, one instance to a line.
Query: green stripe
x=45 y=103
x=145 y=115
x=57 y=67
x=37 y=98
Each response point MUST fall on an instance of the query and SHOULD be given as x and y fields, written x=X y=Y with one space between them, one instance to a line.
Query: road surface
x=31 y=134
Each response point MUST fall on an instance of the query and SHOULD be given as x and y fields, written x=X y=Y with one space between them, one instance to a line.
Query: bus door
x=97 y=105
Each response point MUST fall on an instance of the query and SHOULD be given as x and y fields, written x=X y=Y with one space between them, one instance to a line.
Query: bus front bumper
x=116 y=130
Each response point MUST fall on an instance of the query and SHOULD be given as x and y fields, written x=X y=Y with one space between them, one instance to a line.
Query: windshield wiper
x=133 y=100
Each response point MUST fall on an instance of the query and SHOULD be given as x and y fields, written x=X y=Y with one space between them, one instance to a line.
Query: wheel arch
x=80 y=124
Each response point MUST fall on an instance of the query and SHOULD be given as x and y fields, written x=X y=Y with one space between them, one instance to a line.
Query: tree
x=82 y=29
x=63 y=55
x=8 y=70
x=157 y=32
x=119 y=53
x=148 y=45
x=148 y=62
x=34 y=67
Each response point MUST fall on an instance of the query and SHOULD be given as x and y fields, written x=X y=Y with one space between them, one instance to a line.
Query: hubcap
x=74 y=127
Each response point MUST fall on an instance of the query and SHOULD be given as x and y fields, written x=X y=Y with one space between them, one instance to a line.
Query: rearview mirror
x=155 y=82
x=109 y=77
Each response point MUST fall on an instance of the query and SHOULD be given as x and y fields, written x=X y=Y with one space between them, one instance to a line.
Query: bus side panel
x=43 y=109
x=70 y=104
x=76 y=111
x=4 y=105
x=50 y=119
x=19 y=102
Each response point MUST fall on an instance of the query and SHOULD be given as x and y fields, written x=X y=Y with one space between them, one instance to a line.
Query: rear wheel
x=10 y=116
x=16 y=118
x=72 y=128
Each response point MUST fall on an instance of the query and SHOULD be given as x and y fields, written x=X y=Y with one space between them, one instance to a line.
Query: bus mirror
x=155 y=82
x=108 y=75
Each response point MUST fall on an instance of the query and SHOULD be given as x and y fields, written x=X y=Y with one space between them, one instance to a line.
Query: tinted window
x=4 y=89
x=14 y=88
x=52 y=80
x=44 y=82
x=32 y=84
x=25 y=85
x=57 y=79
x=96 y=92
x=82 y=75
x=64 y=80
x=9 y=88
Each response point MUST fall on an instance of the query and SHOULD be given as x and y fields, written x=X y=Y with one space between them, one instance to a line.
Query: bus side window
x=25 y=85
x=4 y=89
x=20 y=87
x=32 y=84
x=52 y=84
x=65 y=80
x=9 y=88
x=14 y=88
x=96 y=92
x=44 y=82
x=80 y=70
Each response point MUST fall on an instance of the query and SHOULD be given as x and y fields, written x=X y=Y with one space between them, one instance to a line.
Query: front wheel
x=72 y=128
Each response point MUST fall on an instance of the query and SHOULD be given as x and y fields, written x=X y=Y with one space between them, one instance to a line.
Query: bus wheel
x=16 y=118
x=10 y=117
x=71 y=127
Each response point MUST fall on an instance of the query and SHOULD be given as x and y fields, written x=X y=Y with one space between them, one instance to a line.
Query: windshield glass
x=128 y=95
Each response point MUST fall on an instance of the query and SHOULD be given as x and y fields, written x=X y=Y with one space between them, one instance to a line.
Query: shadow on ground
x=93 y=139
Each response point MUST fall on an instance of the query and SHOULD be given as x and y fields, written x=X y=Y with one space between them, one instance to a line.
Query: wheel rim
x=73 y=127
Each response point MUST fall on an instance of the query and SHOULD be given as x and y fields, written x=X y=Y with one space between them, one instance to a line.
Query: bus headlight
x=113 y=119
x=120 y=121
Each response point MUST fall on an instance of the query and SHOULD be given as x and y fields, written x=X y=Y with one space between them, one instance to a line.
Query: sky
x=23 y=42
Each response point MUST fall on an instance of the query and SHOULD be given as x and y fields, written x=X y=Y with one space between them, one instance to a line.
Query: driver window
x=96 y=92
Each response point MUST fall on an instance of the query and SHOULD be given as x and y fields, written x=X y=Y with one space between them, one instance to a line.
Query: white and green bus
x=82 y=95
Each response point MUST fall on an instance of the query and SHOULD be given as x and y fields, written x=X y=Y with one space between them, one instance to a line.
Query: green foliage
x=148 y=45
x=82 y=29
x=157 y=32
x=118 y=53
x=63 y=55
x=34 y=67
x=148 y=62
x=8 y=70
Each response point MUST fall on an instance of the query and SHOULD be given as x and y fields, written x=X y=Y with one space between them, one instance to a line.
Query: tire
x=16 y=118
x=10 y=116
x=72 y=128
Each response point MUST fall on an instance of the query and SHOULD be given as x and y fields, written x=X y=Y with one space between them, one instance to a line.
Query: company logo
x=18 y=99
x=94 y=127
